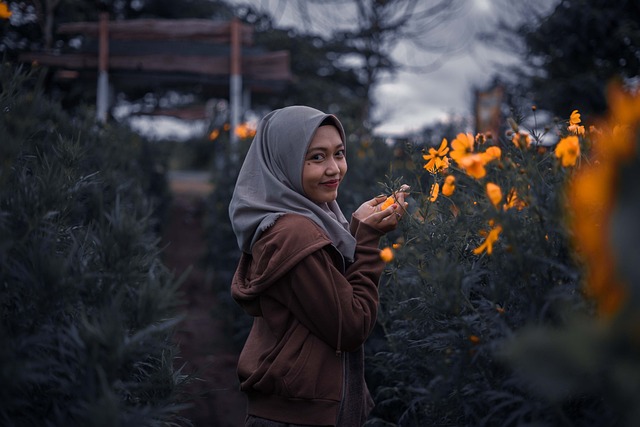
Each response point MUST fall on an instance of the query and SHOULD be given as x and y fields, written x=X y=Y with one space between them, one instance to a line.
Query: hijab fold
x=269 y=184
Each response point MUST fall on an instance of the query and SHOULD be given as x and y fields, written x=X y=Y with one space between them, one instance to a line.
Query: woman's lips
x=331 y=184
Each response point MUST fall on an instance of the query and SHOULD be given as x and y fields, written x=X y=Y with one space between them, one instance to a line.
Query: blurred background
x=124 y=124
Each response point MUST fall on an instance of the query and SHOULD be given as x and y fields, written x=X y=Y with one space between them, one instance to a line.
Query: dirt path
x=204 y=344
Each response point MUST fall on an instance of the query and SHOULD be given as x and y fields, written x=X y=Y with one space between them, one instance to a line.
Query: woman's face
x=325 y=165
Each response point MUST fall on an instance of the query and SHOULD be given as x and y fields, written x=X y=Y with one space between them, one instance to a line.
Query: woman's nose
x=332 y=167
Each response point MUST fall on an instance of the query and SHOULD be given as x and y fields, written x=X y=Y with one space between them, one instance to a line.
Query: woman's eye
x=340 y=153
x=317 y=157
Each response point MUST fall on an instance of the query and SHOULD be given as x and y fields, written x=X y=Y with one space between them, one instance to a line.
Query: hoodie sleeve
x=340 y=308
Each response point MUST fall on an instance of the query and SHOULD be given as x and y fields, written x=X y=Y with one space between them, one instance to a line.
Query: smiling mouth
x=332 y=183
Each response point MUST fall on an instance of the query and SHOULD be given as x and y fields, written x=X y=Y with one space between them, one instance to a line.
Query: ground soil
x=205 y=346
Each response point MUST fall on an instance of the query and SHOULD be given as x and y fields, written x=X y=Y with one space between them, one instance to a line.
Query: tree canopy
x=578 y=49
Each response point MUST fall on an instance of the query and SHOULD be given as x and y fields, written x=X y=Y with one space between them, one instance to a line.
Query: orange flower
x=494 y=193
x=5 y=13
x=574 y=123
x=474 y=339
x=513 y=201
x=244 y=130
x=390 y=200
x=214 y=134
x=492 y=153
x=436 y=158
x=521 y=139
x=491 y=238
x=435 y=190
x=461 y=147
x=568 y=150
x=449 y=185
x=473 y=165
x=386 y=254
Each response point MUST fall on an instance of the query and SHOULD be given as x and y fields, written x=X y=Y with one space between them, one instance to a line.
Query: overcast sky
x=409 y=101
x=405 y=102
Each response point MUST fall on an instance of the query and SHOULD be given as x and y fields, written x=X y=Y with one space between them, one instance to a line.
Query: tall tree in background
x=321 y=80
x=575 y=51
x=367 y=35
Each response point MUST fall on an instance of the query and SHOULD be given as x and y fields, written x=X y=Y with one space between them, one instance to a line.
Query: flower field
x=510 y=296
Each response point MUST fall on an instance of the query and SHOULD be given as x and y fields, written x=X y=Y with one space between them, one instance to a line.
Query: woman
x=307 y=276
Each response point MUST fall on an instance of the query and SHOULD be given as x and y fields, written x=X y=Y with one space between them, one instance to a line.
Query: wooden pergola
x=219 y=56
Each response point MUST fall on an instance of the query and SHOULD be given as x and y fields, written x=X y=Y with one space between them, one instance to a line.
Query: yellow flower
x=386 y=254
x=574 y=123
x=5 y=13
x=568 y=150
x=436 y=158
x=491 y=238
x=435 y=190
x=462 y=146
x=494 y=193
x=449 y=185
x=473 y=165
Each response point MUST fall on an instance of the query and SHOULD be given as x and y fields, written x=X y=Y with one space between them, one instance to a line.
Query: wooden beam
x=162 y=29
x=267 y=66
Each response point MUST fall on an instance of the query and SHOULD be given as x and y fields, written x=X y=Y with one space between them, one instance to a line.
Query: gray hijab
x=270 y=181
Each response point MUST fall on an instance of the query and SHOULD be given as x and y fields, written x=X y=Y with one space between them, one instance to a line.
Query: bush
x=485 y=310
x=87 y=306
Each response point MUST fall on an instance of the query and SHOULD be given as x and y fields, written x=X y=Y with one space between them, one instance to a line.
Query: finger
x=387 y=214
x=377 y=200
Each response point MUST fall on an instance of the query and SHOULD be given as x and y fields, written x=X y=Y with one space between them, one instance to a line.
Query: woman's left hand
x=384 y=220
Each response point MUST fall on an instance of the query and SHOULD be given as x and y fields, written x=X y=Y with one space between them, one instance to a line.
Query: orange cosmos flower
x=574 y=123
x=494 y=193
x=449 y=185
x=436 y=159
x=521 y=139
x=473 y=165
x=492 y=153
x=491 y=238
x=386 y=254
x=244 y=131
x=462 y=146
x=214 y=135
x=390 y=200
x=435 y=190
x=5 y=13
x=513 y=201
x=568 y=150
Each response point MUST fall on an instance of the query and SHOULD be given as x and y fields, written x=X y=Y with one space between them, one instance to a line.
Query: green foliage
x=578 y=49
x=87 y=306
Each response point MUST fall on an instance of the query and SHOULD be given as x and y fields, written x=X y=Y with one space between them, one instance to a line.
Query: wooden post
x=102 y=95
x=235 y=82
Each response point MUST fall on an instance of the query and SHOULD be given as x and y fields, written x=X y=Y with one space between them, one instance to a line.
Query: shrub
x=484 y=305
x=87 y=306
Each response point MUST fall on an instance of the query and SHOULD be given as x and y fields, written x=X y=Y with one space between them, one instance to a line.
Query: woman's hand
x=387 y=219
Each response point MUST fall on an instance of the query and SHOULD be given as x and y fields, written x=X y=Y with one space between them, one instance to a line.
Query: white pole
x=102 y=90
x=235 y=81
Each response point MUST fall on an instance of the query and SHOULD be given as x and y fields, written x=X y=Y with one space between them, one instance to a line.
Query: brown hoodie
x=307 y=310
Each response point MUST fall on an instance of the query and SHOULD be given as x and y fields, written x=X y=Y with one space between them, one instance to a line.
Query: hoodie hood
x=273 y=255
